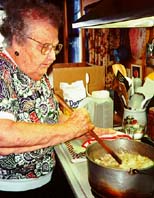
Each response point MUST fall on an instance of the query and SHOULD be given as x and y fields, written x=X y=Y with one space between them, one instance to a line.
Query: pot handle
x=136 y=171
x=147 y=140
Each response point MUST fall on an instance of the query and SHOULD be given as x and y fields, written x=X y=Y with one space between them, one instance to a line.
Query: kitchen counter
x=76 y=173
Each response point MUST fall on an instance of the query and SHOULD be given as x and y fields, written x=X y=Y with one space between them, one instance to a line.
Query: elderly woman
x=30 y=120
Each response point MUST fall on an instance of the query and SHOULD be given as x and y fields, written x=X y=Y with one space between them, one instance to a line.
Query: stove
x=97 y=195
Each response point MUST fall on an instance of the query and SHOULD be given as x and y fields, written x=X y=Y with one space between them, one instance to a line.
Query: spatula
x=122 y=79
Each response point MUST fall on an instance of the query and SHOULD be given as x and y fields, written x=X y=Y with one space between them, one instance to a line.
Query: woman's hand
x=99 y=132
x=80 y=121
x=102 y=131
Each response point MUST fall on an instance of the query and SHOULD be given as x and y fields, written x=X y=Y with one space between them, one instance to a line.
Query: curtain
x=101 y=44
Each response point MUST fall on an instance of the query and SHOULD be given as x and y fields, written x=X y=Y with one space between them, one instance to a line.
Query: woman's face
x=32 y=59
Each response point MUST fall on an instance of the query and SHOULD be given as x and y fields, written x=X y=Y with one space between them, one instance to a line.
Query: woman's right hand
x=80 y=121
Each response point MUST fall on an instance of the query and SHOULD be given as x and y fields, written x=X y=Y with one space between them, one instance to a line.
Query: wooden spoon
x=99 y=140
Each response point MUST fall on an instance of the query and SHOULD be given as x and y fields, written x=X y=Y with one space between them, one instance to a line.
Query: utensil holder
x=134 y=122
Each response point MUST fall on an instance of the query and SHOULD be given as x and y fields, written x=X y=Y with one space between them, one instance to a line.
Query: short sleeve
x=6 y=102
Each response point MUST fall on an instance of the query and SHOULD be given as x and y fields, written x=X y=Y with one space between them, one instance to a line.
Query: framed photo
x=136 y=71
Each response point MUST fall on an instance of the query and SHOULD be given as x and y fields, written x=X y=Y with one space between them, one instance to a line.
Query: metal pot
x=118 y=183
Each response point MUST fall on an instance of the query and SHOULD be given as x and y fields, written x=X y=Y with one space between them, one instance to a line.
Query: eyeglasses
x=47 y=47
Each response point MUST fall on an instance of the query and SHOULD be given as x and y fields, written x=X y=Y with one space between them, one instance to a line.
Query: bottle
x=100 y=108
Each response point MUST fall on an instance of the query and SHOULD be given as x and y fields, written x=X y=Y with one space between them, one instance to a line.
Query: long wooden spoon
x=99 y=140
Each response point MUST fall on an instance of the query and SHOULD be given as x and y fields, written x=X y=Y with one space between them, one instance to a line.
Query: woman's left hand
x=99 y=132
x=102 y=131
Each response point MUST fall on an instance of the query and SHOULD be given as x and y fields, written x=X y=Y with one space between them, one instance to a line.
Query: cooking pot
x=111 y=182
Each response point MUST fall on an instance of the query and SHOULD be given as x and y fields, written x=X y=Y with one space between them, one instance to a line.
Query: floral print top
x=29 y=101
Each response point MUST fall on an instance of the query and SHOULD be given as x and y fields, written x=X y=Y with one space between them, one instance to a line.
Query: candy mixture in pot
x=129 y=160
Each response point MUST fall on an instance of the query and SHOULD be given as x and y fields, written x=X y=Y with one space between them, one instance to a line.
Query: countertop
x=76 y=173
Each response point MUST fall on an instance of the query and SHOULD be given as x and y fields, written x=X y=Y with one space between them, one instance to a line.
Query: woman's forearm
x=23 y=134
x=19 y=134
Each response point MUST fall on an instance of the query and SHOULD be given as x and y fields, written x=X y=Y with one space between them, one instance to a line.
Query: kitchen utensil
x=121 y=74
x=110 y=182
x=62 y=103
x=132 y=90
x=124 y=94
x=137 y=83
x=119 y=67
x=111 y=152
x=145 y=103
x=120 y=88
x=87 y=83
x=136 y=100
x=122 y=79
x=147 y=90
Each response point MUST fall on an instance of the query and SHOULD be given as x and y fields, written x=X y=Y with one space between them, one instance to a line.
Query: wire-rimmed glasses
x=48 y=47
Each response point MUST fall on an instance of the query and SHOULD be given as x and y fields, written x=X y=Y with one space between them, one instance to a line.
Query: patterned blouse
x=29 y=101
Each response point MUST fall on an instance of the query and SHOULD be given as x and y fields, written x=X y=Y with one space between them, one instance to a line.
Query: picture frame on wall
x=136 y=71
